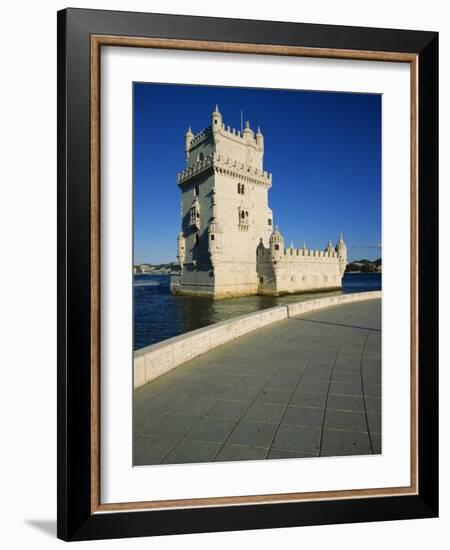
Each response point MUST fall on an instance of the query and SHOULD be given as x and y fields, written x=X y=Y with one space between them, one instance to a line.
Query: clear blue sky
x=323 y=148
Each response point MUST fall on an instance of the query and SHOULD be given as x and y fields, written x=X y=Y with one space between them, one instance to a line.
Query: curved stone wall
x=157 y=359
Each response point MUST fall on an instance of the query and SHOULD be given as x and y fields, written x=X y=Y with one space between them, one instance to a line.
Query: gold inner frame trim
x=97 y=41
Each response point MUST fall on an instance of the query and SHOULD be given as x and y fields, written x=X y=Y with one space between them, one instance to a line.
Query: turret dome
x=341 y=248
x=276 y=236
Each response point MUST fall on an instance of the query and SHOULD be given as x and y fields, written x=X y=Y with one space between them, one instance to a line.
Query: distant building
x=227 y=245
x=145 y=269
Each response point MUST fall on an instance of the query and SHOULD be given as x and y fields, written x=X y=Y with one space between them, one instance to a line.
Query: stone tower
x=224 y=209
x=227 y=246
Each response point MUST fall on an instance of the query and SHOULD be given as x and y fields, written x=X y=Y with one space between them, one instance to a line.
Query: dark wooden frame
x=81 y=33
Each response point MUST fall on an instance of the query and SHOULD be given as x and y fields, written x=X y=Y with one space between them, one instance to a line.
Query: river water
x=159 y=315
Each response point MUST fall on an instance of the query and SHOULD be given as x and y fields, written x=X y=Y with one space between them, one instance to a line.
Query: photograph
x=247 y=272
x=257 y=274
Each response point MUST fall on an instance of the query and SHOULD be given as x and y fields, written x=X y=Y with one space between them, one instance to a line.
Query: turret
x=248 y=134
x=181 y=249
x=214 y=234
x=341 y=250
x=216 y=120
x=259 y=139
x=276 y=243
x=329 y=249
x=189 y=136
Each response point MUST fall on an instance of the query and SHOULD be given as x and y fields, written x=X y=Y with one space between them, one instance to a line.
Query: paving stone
x=227 y=380
x=224 y=408
x=240 y=452
x=345 y=402
x=347 y=368
x=289 y=373
x=374 y=421
x=372 y=390
x=148 y=415
x=173 y=425
x=241 y=394
x=376 y=443
x=303 y=416
x=313 y=385
x=265 y=412
x=305 y=439
x=346 y=388
x=316 y=373
x=212 y=429
x=189 y=451
x=264 y=369
x=254 y=434
x=373 y=404
x=151 y=450
x=372 y=378
x=209 y=390
x=308 y=399
x=345 y=376
x=345 y=420
x=280 y=397
x=343 y=443
x=196 y=406
x=254 y=381
x=280 y=383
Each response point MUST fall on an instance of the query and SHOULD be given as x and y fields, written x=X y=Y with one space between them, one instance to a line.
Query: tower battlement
x=227 y=245
x=226 y=164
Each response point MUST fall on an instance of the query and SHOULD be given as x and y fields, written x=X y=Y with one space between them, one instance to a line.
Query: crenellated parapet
x=291 y=253
x=278 y=252
x=219 y=132
x=223 y=164
x=197 y=139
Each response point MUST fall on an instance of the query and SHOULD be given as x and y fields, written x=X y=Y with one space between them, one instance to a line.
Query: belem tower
x=228 y=245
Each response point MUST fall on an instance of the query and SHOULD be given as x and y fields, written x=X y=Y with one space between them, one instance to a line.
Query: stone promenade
x=304 y=387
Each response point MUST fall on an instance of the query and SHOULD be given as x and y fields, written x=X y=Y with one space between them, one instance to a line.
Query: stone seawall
x=157 y=359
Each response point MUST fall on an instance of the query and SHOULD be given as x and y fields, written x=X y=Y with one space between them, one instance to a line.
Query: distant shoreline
x=364 y=272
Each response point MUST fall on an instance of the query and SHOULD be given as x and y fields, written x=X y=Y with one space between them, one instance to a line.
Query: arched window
x=239 y=188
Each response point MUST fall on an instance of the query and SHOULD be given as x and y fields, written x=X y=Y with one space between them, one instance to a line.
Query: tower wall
x=197 y=276
x=297 y=270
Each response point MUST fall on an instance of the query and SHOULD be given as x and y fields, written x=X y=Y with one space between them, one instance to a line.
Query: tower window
x=212 y=237
x=269 y=222
x=239 y=188
x=197 y=239
x=277 y=247
x=242 y=189
x=196 y=190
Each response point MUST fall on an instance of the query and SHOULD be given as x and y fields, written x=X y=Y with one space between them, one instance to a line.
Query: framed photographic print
x=247 y=274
